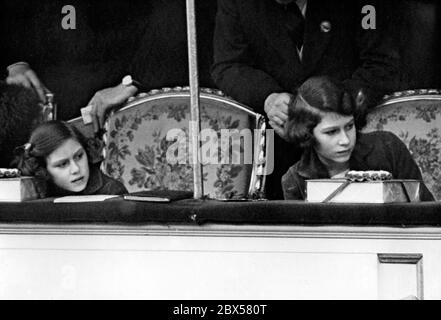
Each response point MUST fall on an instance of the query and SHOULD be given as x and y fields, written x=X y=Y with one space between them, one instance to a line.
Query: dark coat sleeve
x=378 y=69
x=403 y=164
x=292 y=186
x=233 y=69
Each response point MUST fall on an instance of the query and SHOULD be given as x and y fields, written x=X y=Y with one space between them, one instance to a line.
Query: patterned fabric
x=95 y=145
x=137 y=148
x=416 y=120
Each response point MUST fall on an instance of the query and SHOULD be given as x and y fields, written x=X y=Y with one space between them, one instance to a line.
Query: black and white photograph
x=220 y=154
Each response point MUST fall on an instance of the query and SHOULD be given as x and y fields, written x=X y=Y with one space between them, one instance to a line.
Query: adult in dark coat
x=257 y=63
x=111 y=39
x=19 y=107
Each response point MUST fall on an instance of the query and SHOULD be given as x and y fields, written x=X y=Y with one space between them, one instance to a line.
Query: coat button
x=325 y=26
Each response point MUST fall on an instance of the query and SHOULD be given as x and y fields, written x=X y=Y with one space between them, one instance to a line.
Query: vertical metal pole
x=195 y=123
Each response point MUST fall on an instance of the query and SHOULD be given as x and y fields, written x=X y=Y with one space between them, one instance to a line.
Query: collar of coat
x=95 y=182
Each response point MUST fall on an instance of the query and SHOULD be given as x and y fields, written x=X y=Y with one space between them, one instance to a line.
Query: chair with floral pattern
x=147 y=144
x=415 y=117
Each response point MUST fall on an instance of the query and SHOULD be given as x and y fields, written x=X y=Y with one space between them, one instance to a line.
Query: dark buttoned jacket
x=379 y=150
x=254 y=55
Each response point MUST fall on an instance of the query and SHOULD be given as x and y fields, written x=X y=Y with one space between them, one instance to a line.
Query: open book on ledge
x=159 y=195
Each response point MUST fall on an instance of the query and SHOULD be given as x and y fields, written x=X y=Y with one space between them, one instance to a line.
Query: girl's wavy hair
x=313 y=99
x=30 y=158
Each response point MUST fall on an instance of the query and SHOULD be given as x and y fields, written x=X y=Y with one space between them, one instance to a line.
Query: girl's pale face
x=68 y=166
x=335 y=139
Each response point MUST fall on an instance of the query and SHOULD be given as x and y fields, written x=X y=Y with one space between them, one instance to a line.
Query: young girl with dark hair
x=324 y=120
x=56 y=155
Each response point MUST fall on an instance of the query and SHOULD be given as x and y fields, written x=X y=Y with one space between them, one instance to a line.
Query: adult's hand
x=105 y=100
x=21 y=74
x=276 y=108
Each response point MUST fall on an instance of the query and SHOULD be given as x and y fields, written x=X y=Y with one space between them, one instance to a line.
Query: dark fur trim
x=19 y=111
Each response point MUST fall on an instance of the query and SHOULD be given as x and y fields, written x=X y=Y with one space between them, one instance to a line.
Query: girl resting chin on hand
x=56 y=155
x=324 y=120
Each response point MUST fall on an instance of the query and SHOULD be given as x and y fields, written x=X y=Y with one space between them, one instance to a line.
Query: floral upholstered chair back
x=147 y=144
x=415 y=117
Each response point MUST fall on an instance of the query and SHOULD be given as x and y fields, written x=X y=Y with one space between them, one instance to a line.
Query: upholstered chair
x=415 y=117
x=147 y=145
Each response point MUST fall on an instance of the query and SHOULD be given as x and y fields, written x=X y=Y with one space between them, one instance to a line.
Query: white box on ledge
x=386 y=191
x=18 y=189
